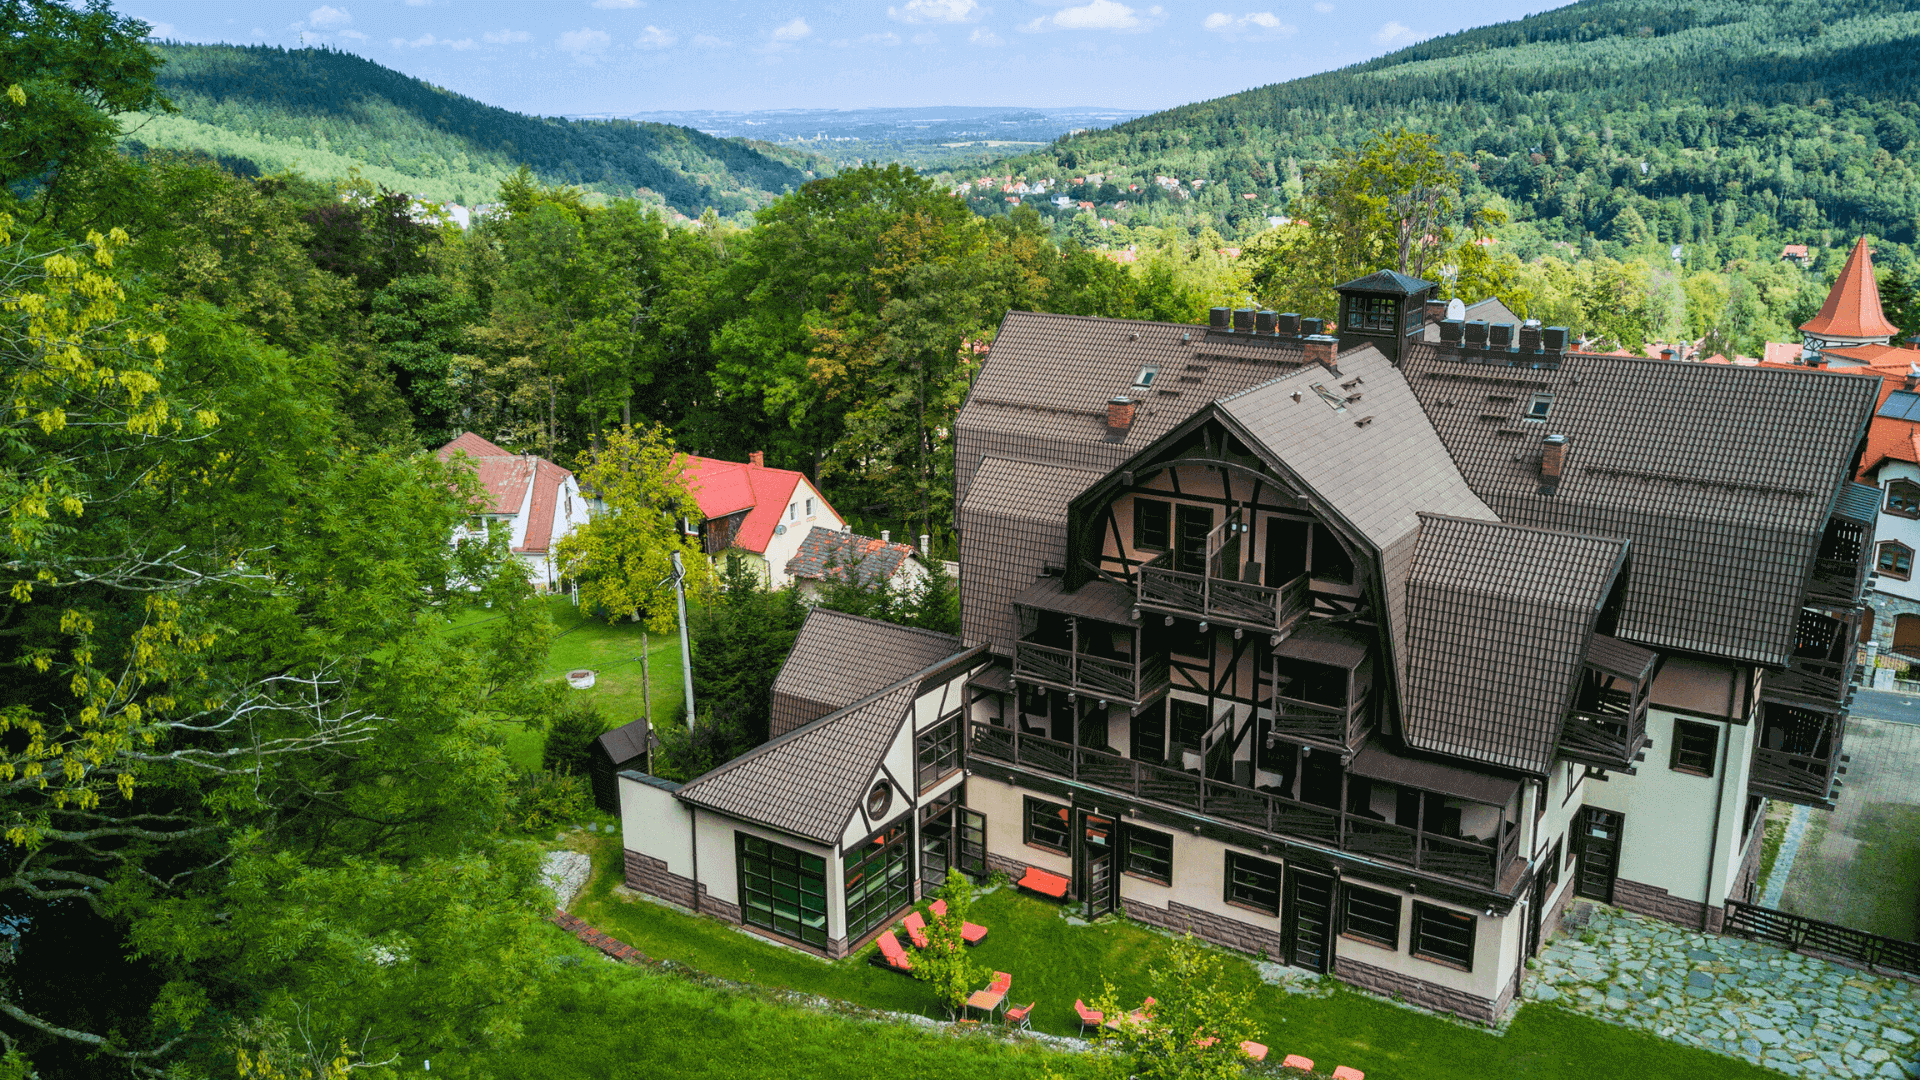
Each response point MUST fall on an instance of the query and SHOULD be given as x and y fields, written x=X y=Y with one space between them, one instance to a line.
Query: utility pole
x=686 y=654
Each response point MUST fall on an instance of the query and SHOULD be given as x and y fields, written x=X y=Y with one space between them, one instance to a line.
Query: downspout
x=693 y=845
x=1720 y=799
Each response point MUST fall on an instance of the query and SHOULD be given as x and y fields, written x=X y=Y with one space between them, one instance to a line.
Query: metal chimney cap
x=1555 y=440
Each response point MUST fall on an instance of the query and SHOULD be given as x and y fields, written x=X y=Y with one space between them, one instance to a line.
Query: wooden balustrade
x=1271 y=608
x=1121 y=680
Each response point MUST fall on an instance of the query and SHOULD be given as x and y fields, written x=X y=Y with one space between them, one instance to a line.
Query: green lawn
x=1053 y=962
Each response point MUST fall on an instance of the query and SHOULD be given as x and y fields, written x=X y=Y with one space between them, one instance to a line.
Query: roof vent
x=1243 y=320
x=1553 y=458
x=1287 y=322
x=1217 y=318
x=1263 y=322
x=1119 y=413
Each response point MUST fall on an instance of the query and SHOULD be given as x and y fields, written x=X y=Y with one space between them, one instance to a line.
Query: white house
x=827 y=554
x=761 y=513
x=539 y=502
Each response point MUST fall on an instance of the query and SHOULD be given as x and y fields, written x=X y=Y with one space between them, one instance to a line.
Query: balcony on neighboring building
x=1797 y=753
x=1323 y=686
x=1221 y=595
x=1819 y=674
x=1607 y=726
x=1424 y=816
x=1840 y=566
x=1085 y=642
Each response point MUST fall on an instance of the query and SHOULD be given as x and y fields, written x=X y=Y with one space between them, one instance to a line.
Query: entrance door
x=936 y=848
x=1599 y=853
x=1537 y=904
x=1906 y=635
x=1308 y=919
x=972 y=854
x=1093 y=864
x=1191 y=526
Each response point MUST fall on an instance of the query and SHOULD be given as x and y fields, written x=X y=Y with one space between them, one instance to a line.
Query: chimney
x=1913 y=376
x=1554 y=339
x=1287 y=323
x=1217 y=318
x=1243 y=320
x=1553 y=457
x=1119 y=414
x=1436 y=311
x=886 y=536
x=1263 y=321
x=1320 y=349
x=1530 y=336
x=1666 y=354
x=925 y=545
x=758 y=459
x=1476 y=332
x=1450 y=331
x=1310 y=327
x=1913 y=342
x=1500 y=336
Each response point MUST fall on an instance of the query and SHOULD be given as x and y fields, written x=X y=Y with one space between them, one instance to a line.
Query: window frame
x=1350 y=892
x=942 y=739
x=779 y=857
x=1913 y=505
x=1539 y=409
x=1880 y=560
x=1235 y=860
x=876 y=906
x=1163 y=841
x=1683 y=729
x=1420 y=937
x=1034 y=810
x=1141 y=542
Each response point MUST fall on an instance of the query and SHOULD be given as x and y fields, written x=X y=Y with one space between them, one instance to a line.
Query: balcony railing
x=1121 y=680
x=1203 y=596
x=1471 y=861
x=1334 y=726
x=1840 y=570
x=1806 y=758
x=1820 y=671
x=1794 y=778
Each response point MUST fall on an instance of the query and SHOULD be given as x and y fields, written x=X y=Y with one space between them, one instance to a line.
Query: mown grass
x=1053 y=962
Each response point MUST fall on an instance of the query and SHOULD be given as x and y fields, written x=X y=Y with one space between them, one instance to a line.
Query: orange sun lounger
x=971 y=933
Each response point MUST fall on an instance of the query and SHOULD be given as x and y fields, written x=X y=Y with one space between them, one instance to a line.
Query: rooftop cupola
x=1383 y=309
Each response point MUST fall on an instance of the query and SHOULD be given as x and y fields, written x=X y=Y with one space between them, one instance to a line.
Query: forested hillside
x=324 y=112
x=1618 y=120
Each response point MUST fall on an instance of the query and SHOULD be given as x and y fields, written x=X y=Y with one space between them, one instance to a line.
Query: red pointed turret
x=1852 y=309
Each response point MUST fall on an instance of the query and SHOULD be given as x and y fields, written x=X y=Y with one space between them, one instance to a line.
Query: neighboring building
x=629 y=746
x=764 y=514
x=829 y=554
x=1851 y=317
x=1797 y=254
x=1366 y=653
x=537 y=501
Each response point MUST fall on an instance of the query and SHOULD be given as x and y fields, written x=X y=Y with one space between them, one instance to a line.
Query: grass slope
x=316 y=109
x=1054 y=962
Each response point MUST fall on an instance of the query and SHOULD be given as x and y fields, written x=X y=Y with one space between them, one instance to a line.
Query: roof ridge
x=921 y=630
x=1517 y=525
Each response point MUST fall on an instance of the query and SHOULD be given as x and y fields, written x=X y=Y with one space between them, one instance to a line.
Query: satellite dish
x=1456 y=309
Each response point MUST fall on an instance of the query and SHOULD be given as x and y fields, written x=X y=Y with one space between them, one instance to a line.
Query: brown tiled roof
x=626 y=742
x=1102 y=601
x=828 y=552
x=837 y=659
x=1500 y=617
x=1853 y=308
x=810 y=781
x=1013 y=522
x=1376 y=463
x=1722 y=476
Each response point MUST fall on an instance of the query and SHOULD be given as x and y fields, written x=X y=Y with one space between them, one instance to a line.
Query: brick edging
x=611 y=946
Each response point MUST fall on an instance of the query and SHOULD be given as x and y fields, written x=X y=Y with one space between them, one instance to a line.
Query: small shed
x=629 y=746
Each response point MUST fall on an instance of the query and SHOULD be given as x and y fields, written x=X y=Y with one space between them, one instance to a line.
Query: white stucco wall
x=1893 y=527
x=784 y=545
x=653 y=822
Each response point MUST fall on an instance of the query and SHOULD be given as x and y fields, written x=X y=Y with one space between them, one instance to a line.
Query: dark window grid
x=1370 y=313
x=1152 y=525
x=1253 y=883
x=879 y=877
x=937 y=751
x=1695 y=747
x=1443 y=936
x=1372 y=916
x=783 y=890
x=1047 y=826
x=1149 y=854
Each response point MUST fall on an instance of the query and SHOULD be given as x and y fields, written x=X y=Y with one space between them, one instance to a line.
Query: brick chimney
x=1553 y=457
x=1436 y=311
x=757 y=459
x=1120 y=413
x=1913 y=377
x=1320 y=349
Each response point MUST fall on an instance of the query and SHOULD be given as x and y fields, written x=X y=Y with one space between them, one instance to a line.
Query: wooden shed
x=629 y=746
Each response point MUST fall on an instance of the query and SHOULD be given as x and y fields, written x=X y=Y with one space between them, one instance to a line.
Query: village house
x=536 y=501
x=1363 y=651
x=759 y=513
x=829 y=554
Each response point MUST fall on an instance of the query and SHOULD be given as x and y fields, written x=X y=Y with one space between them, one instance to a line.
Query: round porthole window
x=879 y=799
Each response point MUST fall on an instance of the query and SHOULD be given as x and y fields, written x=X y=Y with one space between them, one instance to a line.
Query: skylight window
x=1332 y=399
x=1146 y=376
x=1539 y=407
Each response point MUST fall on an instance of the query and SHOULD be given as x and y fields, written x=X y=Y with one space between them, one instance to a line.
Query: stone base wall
x=1219 y=929
x=1887 y=608
x=1550 y=922
x=1420 y=992
x=1003 y=865
x=650 y=875
x=1661 y=904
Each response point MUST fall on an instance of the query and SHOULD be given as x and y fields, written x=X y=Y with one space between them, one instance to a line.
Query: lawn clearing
x=1053 y=962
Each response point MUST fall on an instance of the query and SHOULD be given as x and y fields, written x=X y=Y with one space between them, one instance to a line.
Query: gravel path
x=1796 y=1014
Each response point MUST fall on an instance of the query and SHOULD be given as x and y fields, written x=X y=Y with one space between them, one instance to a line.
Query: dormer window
x=1540 y=407
x=1375 y=313
x=1145 y=378
x=1903 y=498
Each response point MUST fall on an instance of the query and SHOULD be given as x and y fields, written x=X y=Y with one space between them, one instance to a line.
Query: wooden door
x=971 y=845
x=1537 y=905
x=1906 y=635
x=1191 y=527
x=1286 y=550
x=1095 y=841
x=1600 y=832
x=1307 y=919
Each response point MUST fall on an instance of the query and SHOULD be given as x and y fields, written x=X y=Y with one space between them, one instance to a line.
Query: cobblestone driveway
x=1795 y=1014
x=1859 y=865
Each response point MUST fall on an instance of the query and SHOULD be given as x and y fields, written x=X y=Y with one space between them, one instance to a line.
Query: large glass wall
x=879 y=878
x=782 y=890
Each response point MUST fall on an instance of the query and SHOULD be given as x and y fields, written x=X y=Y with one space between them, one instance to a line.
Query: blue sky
x=623 y=56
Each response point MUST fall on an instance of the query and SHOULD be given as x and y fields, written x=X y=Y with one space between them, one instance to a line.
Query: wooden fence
x=1802 y=934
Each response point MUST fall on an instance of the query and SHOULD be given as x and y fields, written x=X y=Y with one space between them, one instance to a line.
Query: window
x=1445 y=937
x=1694 y=747
x=1145 y=378
x=809 y=507
x=1332 y=399
x=1189 y=724
x=937 y=751
x=793 y=511
x=1553 y=866
x=782 y=890
x=1152 y=525
x=1047 y=826
x=879 y=872
x=1253 y=883
x=1896 y=560
x=1539 y=407
x=1903 y=498
x=1370 y=313
x=1148 y=854
x=1371 y=915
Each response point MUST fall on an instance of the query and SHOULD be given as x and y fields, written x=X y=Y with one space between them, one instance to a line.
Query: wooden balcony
x=1840 y=568
x=1819 y=674
x=1607 y=726
x=1129 y=681
x=1485 y=865
x=1797 y=753
x=1271 y=609
x=1323 y=683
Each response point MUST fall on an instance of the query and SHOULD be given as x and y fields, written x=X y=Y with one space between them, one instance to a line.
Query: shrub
x=569 y=744
x=546 y=798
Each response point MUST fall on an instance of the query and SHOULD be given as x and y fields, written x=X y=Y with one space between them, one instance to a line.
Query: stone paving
x=1799 y=1015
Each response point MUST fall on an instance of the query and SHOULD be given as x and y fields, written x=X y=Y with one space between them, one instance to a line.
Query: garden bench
x=1049 y=885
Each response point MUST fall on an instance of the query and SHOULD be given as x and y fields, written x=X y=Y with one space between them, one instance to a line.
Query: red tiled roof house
x=762 y=513
x=539 y=502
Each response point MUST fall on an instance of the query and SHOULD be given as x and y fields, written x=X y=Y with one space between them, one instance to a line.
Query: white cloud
x=937 y=11
x=1323 y=8
x=585 y=45
x=420 y=42
x=888 y=39
x=1096 y=15
x=926 y=38
x=985 y=37
x=505 y=37
x=1253 y=24
x=655 y=38
x=460 y=46
x=1398 y=33
x=353 y=35
x=792 y=31
x=160 y=30
x=708 y=41
x=617 y=3
x=327 y=17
